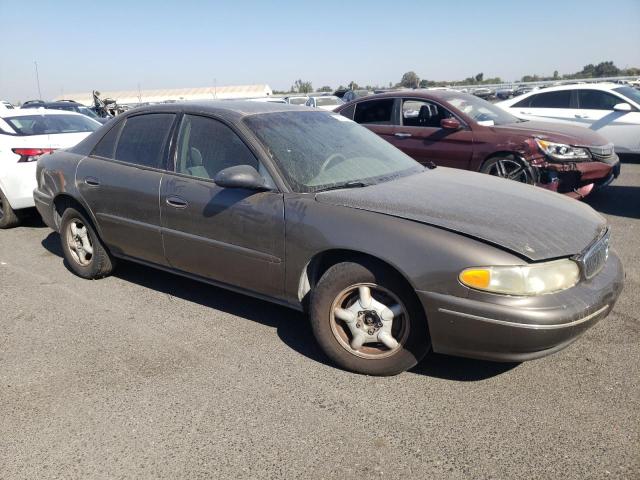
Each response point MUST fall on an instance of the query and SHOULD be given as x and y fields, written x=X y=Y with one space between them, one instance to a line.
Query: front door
x=120 y=182
x=230 y=235
x=421 y=136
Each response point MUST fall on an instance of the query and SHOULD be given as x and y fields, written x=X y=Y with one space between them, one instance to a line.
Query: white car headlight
x=534 y=279
x=560 y=151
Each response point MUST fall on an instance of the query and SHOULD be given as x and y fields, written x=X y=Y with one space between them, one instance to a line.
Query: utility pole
x=38 y=81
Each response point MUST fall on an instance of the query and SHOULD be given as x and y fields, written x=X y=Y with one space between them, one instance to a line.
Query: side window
x=597 y=100
x=348 y=111
x=559 y=99
x=144 y=138
x=420 y=113
x=206 y=146
x=106 y=147
x=378 y=112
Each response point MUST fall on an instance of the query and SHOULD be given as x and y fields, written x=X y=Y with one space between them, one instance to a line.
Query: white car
x=296 y=99
x=610 y=109
x=325 y=102
x=24 y=136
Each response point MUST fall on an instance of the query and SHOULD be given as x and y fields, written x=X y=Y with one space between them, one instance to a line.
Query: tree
x=555 y=74
x=353 y=85
x=410 y=80
x=424 y=83
x=302 y=86
x=479 y=77
x=326 y=88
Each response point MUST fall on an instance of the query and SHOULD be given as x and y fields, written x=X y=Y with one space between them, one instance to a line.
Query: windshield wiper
x=355 y=184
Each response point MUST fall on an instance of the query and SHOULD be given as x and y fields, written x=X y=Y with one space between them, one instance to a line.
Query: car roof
x=605 y=86
x=23 y=112
x=232 y=109
x=416 y=93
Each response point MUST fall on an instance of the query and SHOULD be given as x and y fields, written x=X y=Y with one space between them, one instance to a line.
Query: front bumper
x=515 y=329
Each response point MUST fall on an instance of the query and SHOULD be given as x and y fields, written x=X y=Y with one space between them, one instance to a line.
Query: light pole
x=38 y=81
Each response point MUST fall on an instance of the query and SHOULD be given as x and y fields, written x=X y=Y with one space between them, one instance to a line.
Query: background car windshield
x=298 y=101
x=481 y=110
x=51 y=124
x=327 y=101
x=629 y=92
x=88 y=112
x=315 y=151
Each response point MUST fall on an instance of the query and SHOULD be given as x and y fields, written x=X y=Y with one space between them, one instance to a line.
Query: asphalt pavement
x=148 y=375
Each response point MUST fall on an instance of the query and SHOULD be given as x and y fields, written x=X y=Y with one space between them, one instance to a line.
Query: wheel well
x=323 y=261
x=61 y=203
x=501 y=154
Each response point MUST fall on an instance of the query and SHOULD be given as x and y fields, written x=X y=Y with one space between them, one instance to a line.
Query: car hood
x=532 y=222
x=554 y=132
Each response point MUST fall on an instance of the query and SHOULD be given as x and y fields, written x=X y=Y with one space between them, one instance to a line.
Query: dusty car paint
x=275 y=244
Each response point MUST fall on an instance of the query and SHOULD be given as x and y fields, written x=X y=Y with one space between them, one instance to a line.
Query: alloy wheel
x=79 y=243
x=369 y=321
x=511 y=170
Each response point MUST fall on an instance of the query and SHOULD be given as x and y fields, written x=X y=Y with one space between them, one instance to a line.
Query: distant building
x=132 y=97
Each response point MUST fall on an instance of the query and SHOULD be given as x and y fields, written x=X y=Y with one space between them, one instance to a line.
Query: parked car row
x=311 y=210
x=459 y=130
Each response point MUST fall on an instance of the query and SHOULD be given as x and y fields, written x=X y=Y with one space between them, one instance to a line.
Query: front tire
x=511 y=168
x=8 y=216
x=84 y=252
x=367 y=319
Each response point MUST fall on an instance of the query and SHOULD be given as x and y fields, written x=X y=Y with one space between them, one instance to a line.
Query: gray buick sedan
x=310 y=210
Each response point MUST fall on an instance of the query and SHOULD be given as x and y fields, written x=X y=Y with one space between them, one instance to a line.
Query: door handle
x=577 y=115
x=525 y=113
x=92 y=181
x=177 y=202
x=402 y=135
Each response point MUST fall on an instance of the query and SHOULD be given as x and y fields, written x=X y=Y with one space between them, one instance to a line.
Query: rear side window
x=106 y=147
x=378 y=112
x=560 y=99
x=597 y=100
x=348 y=111
x=143 y=139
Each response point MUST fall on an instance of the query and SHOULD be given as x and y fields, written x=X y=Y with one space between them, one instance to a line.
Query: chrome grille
x=593 y=260
x=603 y=152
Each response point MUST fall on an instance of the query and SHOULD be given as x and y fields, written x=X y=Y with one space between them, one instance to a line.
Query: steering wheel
x=330 y=159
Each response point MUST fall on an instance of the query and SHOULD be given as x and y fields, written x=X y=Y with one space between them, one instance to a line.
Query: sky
x=116 y=45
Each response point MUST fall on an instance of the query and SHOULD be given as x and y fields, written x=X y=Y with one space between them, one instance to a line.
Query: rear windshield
x=51 y=124
x=298 y=101
x=328 y=101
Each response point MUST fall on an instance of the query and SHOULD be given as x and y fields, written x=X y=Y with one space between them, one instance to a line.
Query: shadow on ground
x=619 y=200
x=292 y=326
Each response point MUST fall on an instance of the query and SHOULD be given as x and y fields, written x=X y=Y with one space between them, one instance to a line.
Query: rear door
x=230 y=235
x=421 y=136
x=557 y=106
x=380 y=116
x=120 y=182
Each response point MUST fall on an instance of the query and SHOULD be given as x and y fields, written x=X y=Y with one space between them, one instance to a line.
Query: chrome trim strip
x=526 y=325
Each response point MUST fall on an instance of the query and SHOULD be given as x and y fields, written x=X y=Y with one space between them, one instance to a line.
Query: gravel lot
x=149 y=375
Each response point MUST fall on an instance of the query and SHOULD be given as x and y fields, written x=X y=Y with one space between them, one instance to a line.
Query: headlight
x=535 y=279
x=560 y=151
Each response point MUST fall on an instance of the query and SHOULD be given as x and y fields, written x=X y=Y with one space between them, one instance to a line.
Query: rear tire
x=83 y=250
x=8 y=216
x=339 y=290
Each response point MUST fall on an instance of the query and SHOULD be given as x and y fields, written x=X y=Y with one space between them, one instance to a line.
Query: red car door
x=380 y=116
x=421 y=135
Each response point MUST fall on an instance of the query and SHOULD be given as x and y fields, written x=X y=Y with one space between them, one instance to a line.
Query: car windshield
x=328 y=101
x=629 y=92
x=51 y=124
x=298 y=100
x=482 y=111
x=317 y=151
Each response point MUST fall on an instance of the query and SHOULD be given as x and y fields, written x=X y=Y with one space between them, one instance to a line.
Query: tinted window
x=560 y=99
x=107 y=146
x=419 y=113
x=206 y=146
x=348 y=111
x=143 y=139
x=41 y=124
x=375 y=112
x=597 y=100
x=629 y=92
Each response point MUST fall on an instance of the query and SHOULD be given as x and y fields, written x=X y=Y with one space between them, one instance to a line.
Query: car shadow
x=291 y=326
x=30 y=218
x=618 y=200
x=629 y=157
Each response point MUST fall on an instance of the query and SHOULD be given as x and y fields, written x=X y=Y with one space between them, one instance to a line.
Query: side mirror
x=450 y=124
x=622 y=107
x=240 y=176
